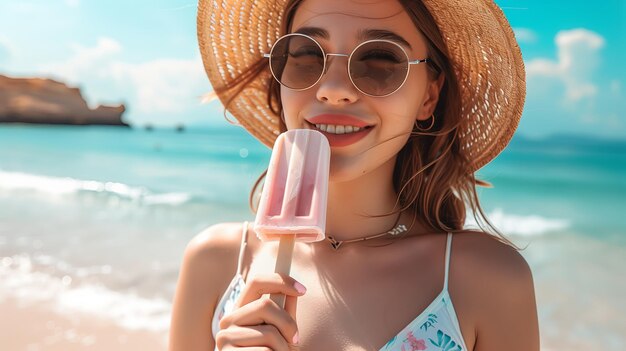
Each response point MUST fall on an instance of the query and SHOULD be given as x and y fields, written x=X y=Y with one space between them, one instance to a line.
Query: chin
x=339 y=174
x=352 y=168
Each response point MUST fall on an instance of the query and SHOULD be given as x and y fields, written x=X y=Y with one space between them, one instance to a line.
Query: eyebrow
x=369 y=34
x=314 y=32
x=364 y=34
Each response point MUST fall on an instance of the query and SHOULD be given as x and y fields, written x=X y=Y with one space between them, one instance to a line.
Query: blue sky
x=144 y=53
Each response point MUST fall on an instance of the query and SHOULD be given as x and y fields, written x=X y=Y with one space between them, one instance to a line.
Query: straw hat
x=234 y=34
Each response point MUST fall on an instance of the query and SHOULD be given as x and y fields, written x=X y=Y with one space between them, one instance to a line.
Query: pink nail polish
x=299 y=287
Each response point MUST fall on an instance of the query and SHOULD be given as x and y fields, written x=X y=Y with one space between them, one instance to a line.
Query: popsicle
x=293 y=201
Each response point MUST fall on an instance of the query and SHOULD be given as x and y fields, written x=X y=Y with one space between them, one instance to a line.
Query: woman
x=414 y=98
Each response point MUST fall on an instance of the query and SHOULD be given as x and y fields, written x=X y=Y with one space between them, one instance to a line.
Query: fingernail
x=296 y=339
x=300 y=288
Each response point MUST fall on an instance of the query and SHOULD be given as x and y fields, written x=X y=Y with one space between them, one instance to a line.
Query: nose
x=335 y=87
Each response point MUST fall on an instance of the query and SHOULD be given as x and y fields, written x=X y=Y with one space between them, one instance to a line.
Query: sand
x=36 y=327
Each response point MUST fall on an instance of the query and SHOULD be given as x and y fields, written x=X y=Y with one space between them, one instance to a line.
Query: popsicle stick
x=283 y=263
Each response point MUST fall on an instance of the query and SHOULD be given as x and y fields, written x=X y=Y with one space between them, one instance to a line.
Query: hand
x=257 y=323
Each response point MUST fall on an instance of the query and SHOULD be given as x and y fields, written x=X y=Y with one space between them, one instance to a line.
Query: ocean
x=94 y=220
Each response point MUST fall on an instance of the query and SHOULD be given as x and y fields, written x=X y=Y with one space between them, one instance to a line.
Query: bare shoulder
x=209 y=263
x=489 y=255
x=490 y=267
x=499 y=291
x=217 y=248
x=216 y=243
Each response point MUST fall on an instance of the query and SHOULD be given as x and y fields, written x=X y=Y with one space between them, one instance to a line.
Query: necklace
x=395 y=230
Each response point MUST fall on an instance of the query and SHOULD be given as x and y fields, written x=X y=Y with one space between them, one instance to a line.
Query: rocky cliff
x=36 y=100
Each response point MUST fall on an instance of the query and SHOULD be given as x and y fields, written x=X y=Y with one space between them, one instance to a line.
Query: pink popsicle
x=294 y=197
x=293 y=201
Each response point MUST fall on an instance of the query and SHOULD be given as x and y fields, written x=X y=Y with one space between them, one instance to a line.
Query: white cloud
x=160 y=86
x=86 y=61
x=577 y=60
x=525 y=35
x=569 y=95
x=164 y=85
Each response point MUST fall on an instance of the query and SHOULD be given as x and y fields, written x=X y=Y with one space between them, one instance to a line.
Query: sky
x=144 y=53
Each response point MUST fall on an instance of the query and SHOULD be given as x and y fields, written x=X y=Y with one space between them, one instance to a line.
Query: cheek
x=406 y=103
x=293 y=102
x=399 y=109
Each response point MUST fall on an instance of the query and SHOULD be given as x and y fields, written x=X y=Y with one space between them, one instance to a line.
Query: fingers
x=270 y=284
x=260 y=337
x=263 y=312
x=291 y=304
x=257 y=321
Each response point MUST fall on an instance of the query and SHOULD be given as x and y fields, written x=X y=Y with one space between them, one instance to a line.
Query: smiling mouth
x=340 y=135
x=339 y=129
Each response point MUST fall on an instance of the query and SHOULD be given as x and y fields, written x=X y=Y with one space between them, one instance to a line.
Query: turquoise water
x=104 y=213
x=580 y=181
x=206 y=165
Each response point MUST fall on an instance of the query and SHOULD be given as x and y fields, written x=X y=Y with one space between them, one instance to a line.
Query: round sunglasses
x=376 y=67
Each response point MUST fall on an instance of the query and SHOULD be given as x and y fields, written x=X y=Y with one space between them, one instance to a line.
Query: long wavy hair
x=433 y=178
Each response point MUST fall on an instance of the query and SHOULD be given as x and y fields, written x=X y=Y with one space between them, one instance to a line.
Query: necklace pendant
x=334 y=243
x=397 y=230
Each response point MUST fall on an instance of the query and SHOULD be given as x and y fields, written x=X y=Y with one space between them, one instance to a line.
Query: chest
x=363 y=318
x=360 y=305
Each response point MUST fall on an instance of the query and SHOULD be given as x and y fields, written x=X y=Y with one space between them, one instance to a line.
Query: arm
x=508 y=318
x=209 y=261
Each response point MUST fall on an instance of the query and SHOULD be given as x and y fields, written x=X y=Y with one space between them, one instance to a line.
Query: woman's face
x=385 y=122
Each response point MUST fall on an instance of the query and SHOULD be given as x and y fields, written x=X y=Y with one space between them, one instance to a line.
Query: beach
x=32 y=327
x=94 y=221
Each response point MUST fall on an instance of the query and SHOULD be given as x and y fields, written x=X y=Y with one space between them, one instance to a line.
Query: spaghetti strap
x=448 y=244
x=242 y=249
x=227 y=301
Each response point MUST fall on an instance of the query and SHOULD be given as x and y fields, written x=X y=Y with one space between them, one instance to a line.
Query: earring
x=430 y=126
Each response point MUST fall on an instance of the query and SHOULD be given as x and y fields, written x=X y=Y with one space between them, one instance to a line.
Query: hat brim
x=234 y=34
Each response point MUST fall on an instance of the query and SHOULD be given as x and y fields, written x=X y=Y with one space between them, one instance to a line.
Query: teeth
x=337 y=129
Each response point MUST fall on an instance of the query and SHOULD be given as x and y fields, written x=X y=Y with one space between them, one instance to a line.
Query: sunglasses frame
x=409 y=62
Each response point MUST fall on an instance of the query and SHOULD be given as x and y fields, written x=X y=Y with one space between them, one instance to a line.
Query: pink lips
x=339 y=140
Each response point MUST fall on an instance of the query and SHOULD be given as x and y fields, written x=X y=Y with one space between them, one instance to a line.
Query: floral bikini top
x=435 y=329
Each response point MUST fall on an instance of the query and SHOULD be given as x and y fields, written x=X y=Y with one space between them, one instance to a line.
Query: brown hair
x=433 y=177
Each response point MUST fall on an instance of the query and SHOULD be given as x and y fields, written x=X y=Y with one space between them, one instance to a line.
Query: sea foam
x=16 y=181
x=511 y=224
x=19 y=279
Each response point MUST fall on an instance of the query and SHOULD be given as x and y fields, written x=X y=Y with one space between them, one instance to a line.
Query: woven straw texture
x=234 y=34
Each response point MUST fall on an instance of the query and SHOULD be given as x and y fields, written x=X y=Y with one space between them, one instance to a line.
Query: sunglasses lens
x=378 y=68
x=297 y=62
